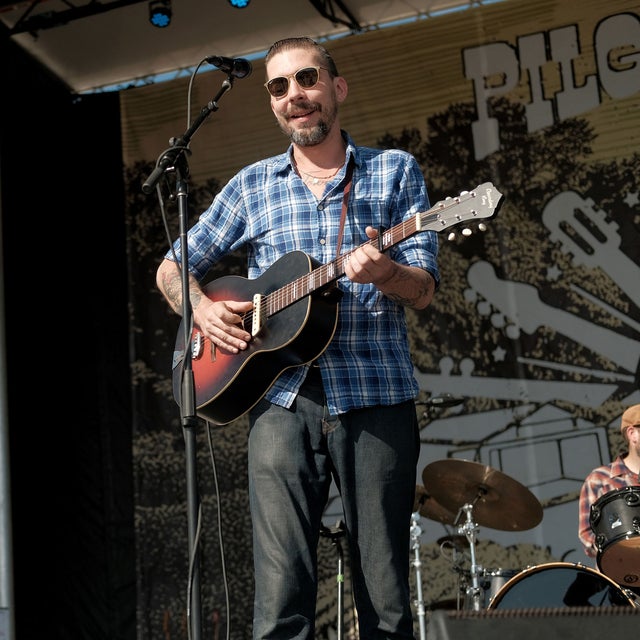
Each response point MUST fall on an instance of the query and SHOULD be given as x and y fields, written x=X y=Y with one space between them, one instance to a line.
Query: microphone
x=445 y=400
x=236 y=67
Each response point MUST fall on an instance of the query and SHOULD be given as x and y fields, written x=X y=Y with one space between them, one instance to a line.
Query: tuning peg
x=466 y=231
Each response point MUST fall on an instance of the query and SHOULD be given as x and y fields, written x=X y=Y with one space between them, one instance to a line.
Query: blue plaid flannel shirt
x=267 y=208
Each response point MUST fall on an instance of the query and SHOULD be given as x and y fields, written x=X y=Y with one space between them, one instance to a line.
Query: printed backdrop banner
x=535 y=329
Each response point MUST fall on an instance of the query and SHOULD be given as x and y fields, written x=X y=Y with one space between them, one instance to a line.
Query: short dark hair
x=302 y=42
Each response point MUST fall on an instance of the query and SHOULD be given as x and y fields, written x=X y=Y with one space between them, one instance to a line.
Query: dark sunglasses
x=305 y=78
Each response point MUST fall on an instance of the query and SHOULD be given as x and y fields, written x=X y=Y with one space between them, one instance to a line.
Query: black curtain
x=67 y=362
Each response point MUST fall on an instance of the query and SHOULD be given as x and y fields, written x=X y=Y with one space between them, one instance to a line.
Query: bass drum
x=560 y=584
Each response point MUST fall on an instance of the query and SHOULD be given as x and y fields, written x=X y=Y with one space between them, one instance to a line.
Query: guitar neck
x=483 y=202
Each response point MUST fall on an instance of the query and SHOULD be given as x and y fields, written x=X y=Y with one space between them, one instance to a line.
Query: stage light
x=160 y=13
x=239 y=4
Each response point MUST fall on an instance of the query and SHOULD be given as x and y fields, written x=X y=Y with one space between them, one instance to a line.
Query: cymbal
x=429 y=507
x=499 y=501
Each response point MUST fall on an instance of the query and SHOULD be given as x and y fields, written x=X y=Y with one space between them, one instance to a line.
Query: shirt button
x=321 y=207
x=323 y=241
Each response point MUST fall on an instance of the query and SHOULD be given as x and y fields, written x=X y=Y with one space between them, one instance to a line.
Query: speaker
x=568 y=623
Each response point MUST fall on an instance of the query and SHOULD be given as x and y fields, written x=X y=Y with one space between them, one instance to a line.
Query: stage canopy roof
x=98 y=45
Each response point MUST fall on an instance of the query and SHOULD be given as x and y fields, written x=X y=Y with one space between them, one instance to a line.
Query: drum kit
x=467 y=494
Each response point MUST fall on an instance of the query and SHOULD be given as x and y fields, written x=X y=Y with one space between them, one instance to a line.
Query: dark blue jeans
x=294 y=453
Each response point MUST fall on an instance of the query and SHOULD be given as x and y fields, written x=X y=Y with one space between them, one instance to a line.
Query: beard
x=312 y=135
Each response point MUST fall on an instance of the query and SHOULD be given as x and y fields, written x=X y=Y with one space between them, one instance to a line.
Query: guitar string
x=287 y=294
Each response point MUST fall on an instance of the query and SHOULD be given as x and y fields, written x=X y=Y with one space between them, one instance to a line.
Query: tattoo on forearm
x=173 y=290
x=405 y=301
x=172 y=285
x=420 y=290
x=195 y=296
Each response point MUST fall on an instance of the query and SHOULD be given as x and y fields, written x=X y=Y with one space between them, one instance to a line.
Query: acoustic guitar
x=294 y=315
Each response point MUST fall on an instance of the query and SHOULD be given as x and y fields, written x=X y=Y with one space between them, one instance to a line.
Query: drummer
x=622 y=472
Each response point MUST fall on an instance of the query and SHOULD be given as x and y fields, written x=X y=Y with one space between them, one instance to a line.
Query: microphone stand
x=334 y=535
x=175 y=160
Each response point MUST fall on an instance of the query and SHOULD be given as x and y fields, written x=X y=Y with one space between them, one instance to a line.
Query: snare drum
x=494 y=579
x=615 y=520
x=560 y=584
x=490 y=582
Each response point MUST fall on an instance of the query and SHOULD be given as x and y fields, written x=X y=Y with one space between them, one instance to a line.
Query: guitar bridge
x=256 y=316
x=197 y=346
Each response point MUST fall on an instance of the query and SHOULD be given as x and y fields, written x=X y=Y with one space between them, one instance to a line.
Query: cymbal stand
x=417 y=563
x=469 y=529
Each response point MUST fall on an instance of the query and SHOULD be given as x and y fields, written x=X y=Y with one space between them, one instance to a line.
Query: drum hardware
x=458 y=543
x=615 y=521
x=491 y=580
x=469 y=528
x=634 y=596
x=428 y=507
x=416 y=531
x=335 y=534
x=480 y=495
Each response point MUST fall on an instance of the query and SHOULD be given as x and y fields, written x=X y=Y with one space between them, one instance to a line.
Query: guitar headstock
x=473 y=206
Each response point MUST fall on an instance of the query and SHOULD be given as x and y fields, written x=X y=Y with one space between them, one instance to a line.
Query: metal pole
x=416 y=531
x=6 y=538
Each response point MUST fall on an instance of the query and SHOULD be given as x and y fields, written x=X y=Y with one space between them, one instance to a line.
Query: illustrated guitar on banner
x=294 y=316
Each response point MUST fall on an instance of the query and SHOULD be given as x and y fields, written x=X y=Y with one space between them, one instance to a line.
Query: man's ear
x=342 y=89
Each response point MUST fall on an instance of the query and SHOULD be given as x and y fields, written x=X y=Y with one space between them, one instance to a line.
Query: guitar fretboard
x=442 y=215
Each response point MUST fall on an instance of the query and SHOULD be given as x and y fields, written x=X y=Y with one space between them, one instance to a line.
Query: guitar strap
x=345 y=204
